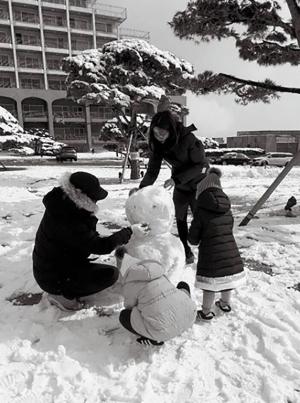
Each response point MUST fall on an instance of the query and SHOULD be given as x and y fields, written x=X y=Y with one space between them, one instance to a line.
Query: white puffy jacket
x=160 y=311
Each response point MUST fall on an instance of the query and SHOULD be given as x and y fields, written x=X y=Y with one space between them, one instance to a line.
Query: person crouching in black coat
x=219 y=267
x=67 y=236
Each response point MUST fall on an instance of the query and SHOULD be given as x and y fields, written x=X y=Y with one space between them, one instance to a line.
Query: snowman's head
x=152 y=205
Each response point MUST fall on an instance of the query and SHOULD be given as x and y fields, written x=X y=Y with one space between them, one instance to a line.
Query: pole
x=270 y=189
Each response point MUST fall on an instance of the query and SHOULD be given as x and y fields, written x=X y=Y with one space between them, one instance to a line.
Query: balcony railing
x=55 y=1
x=7 y=83
x=134 y=33
x=56 y=43
x=35 y=113
x=28 y=18
x=5 y=38
x=6 y=63
x=31 y=84
x=102 y=113
x=57 y=85
x=4 y=15
x=54 y=21
x=81 y=45
x=68 y=114
x=54 y=64
x=110 y=11
x=84 y=25
x=30 y=64
x=29 y=41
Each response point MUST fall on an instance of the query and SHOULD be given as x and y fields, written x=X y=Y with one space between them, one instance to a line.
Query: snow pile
x=15 y=139
x=10 y=130
x=125 y=71
x=250 y=355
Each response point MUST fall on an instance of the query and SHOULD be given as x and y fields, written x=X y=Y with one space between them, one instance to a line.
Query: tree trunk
x=135 y=165
x=134 y=155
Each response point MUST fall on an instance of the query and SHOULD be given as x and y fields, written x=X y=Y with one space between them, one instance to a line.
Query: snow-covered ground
x=251 y=355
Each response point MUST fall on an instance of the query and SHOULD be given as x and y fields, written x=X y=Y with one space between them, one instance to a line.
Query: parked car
x=274 y=159
x=235 y=159
x=66 y=154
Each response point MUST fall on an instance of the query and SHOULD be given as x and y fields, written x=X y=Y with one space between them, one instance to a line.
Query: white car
x=275 y=159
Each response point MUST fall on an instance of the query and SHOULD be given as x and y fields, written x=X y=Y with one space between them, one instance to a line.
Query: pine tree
x=125 y=74
x=262 y=33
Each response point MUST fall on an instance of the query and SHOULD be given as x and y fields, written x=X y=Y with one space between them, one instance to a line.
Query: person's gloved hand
x=124 y=235
x=169 y=184
x=120 y=252
x=133 y=190
x=141 y=230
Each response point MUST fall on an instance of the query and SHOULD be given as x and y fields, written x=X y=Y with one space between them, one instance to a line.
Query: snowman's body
x=153 y=206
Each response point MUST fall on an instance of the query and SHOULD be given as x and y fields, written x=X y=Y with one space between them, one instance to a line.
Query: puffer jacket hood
x=144 y=270
x=215 y=200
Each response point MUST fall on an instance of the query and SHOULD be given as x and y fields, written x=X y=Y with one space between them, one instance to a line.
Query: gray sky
x=216 y=116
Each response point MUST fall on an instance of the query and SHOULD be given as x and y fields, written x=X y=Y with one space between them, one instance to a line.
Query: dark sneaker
x=147 y=342
x=205 y=316
x=189 y=257
x=65 y=304
x=223 y=306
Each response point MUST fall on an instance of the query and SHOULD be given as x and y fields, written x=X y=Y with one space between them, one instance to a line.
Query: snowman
x=150 y=212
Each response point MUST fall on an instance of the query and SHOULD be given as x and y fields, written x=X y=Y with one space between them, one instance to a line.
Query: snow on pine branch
x=125 y=71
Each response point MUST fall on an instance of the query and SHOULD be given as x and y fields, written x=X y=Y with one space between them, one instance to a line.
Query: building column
x=43 y=44
x=20 y=113
x=69 y=27
x=50 y=119
x=13 y=41
x=94 y=30
x=89 y=127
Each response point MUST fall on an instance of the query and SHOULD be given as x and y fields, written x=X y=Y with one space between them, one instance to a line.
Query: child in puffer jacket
x=219 y=267
x=155 y=310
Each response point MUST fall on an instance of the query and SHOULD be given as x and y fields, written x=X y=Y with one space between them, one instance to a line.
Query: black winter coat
x=65 y=238
x=184 y=152
x=212 y=227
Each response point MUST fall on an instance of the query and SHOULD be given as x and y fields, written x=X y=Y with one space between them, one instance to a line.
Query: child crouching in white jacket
x=155 y=309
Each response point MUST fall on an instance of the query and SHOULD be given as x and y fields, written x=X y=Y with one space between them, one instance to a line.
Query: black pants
x=182 y=201
x=86 y=280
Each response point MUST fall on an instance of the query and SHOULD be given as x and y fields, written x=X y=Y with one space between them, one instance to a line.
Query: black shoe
x=205 y=316
x=223 y=306
x=189 y=257
x=182 y=285
x=146 y=342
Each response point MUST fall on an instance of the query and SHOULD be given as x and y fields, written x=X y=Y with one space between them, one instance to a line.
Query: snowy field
x=251 y=355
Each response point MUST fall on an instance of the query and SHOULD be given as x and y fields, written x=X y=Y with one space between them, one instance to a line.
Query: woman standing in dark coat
x=67 y=236
x=175 y=143
x=220 y=267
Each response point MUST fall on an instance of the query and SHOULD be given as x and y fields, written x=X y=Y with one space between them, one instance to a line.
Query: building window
x=56 y=20
x=31 y=83
x=3 y=14
x=23 y=39
x=58 y=85
x=5 y=37
x=6 y=82
x=29 y=62
x=4 y=60
x=54 y=64
x=55 y=43
x=26 y=17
